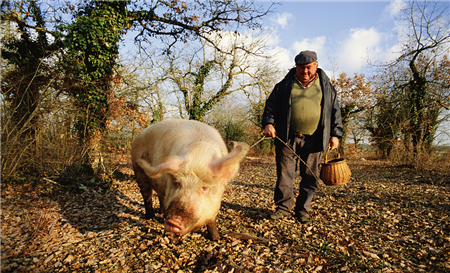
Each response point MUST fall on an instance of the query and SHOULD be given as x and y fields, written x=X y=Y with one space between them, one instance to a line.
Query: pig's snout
x=174 y=225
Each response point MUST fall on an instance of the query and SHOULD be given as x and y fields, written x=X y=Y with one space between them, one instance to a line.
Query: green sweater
x=305 y=107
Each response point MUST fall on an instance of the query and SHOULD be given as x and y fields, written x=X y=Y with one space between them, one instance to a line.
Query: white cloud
x=282 y=58
x=394 y=12
x=316 y=44
x=283 y=19
x=393 y=9
x=358 y=48
x=273 y=39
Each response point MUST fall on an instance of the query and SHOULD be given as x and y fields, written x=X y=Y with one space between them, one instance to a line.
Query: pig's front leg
x=148 y=205
x=212 y=230
x=144 y=184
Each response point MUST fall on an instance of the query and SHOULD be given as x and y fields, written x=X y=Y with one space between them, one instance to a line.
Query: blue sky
x=343 y=33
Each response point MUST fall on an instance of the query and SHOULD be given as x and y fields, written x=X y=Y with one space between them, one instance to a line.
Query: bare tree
x=202 y=77
x=27 y=48
x=93 y=38
x=418 y=80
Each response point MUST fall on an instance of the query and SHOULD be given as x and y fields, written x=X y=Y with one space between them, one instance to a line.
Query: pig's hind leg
x=145 y=186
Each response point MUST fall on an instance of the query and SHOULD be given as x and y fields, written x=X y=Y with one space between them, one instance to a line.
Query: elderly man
x=303 y=111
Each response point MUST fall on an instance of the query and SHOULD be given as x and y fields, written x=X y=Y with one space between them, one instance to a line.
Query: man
x=303 y=111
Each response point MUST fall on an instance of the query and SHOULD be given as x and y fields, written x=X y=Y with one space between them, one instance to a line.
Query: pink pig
x=187 y=163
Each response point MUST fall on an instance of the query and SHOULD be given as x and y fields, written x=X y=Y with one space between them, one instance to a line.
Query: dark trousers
x=307 y=148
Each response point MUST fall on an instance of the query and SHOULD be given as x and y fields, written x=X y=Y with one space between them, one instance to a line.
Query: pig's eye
x=205 y=189
x=176 y=184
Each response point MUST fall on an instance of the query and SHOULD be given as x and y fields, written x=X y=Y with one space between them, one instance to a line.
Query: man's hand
x=334 y=143
x=269 y=131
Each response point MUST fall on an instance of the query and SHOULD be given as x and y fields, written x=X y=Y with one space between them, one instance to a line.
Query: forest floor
x=388 y=218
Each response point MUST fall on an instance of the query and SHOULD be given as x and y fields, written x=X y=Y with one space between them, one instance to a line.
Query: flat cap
x=305 y=57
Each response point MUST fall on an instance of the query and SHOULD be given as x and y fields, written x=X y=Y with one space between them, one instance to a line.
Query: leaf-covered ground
x=387 y=219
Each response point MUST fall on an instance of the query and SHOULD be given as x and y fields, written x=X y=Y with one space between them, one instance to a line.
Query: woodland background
x=71 y=108
x=67 y=99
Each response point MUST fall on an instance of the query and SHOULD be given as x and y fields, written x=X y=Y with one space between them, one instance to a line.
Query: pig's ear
x=172 y=164
x=226 y=167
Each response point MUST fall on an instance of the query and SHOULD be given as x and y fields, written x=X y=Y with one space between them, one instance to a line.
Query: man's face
x=306 y=72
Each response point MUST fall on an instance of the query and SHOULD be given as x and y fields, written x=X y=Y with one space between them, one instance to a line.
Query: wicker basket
x=335 y=172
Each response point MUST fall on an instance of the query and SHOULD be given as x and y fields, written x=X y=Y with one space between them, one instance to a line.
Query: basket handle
x=329 y=150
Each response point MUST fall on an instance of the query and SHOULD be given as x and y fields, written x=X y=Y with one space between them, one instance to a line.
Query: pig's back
x=172 y=137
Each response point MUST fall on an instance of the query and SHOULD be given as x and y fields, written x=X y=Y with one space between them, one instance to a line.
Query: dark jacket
x=278 y=109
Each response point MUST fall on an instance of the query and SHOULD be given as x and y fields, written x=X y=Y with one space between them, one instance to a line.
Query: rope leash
x=315 y=176
x=319 y=185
